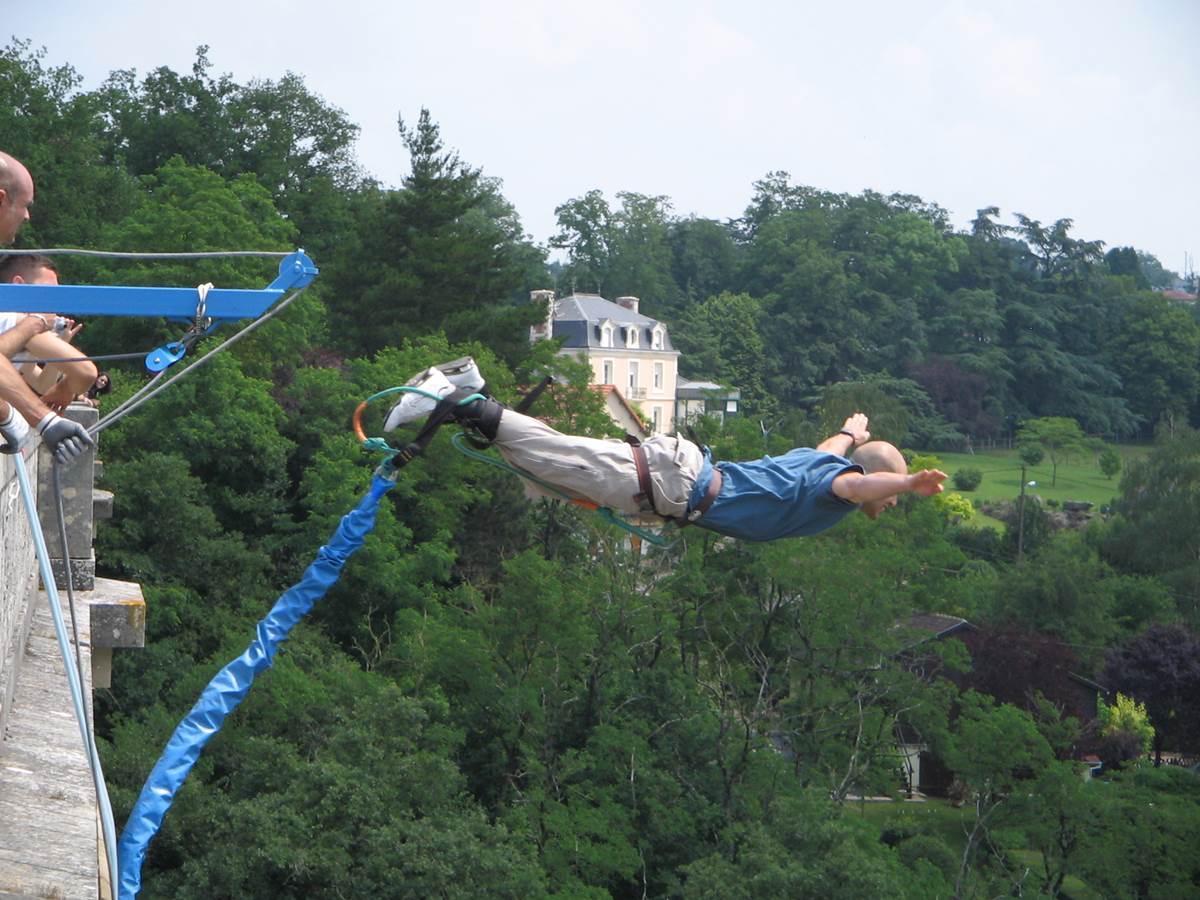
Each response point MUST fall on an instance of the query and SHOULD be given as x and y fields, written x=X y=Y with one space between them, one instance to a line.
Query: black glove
x=66 y=439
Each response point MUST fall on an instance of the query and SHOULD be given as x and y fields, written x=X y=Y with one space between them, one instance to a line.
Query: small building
x=1009 y=664
x=922 y=771
x=704 y=398
x=628 y=351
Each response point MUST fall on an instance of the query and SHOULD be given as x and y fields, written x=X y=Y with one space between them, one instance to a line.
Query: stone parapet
x=18 y=577
x=76 y=482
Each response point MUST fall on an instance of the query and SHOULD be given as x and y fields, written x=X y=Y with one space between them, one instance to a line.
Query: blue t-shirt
x=775 y=497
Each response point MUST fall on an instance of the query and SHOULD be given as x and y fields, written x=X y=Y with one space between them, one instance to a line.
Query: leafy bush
x=1031 y=454
x=1110 y=462
x=967 y=479
x=931 y=849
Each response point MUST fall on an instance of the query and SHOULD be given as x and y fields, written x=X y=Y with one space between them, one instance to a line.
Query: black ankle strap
x=442 y=413
x=529 y=399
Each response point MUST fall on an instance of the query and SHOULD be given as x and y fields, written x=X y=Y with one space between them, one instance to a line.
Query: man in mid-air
x=802 y=492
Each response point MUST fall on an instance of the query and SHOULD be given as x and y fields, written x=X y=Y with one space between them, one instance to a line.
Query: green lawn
x=934 y=816
x=1079 y=478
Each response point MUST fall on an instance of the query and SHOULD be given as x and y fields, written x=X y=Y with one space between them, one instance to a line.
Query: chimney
x=629 y=303
x=545 y=330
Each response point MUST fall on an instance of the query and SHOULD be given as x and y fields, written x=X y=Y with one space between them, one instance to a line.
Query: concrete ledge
x=118 y=614
x=102 y=505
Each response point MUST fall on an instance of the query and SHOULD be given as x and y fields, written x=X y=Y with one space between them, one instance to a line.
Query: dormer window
x=606 y=334
x=657 y=337
x=632 y=337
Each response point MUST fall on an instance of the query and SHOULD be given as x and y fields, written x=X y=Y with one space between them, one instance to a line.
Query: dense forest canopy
x=502 y=698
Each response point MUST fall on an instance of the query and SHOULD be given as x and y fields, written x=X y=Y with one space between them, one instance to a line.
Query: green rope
x=459 y=442
x=380 y=445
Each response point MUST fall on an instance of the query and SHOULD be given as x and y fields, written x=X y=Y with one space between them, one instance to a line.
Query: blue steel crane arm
x=296 y=270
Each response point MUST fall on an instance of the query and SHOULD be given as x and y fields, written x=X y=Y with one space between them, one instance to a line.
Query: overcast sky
x=1082 y=110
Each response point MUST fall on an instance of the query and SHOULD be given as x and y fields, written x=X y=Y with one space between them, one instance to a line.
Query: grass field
x=1079 y=478
x=933 y=816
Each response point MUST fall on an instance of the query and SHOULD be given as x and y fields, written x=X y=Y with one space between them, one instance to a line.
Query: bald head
x=880 y=456
x=16 y=194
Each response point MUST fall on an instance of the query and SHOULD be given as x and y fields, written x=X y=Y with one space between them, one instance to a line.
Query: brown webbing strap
x=645 y=495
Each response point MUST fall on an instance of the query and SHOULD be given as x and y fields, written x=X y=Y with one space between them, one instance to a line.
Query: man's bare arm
x=853 y=434
x=14 y=340
x=858 y=488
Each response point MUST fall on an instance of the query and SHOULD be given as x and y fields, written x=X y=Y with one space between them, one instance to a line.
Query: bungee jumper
x=802 y=492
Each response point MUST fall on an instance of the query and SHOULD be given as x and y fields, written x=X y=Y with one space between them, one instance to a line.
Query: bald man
x=16 y=196
x=66 y=439
x=803 y=492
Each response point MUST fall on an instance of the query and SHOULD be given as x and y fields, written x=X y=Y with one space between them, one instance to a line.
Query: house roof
x=577 y=321
x=610 y=390
x=1178 y=295
x=934 y=625
x=699 y=390
x=1088 y=683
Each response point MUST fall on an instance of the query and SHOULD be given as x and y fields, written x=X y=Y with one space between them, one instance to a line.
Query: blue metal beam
x=296 y=270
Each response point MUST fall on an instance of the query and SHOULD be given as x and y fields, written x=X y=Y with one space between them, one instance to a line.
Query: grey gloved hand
x=66 y=439
x=14 y=429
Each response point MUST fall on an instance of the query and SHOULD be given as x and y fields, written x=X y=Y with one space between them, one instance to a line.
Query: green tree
x=1124 y=261
x=996 y=751
x=56 y=131
x=889 y=417
x=441 y=252
x=1110 y=462
x=704 y=259
x=1059 y=436
x=1031 y=454
x=1058 y=254
x=1161 y=668
x=1064 y=819
x=1126 y=718
x=185 y=208
x=297 y=146
x=586 y=232
x=1157 y=529
x=641 y=254
x=721 y=340
x=1157 y=354
x=1145 y=824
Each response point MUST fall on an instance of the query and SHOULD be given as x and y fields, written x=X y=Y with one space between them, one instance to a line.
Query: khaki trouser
x=600 y=470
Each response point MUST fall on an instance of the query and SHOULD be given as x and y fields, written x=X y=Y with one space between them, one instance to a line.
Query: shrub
x=1110 y=462
x=931 y=849
x=967 y=479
